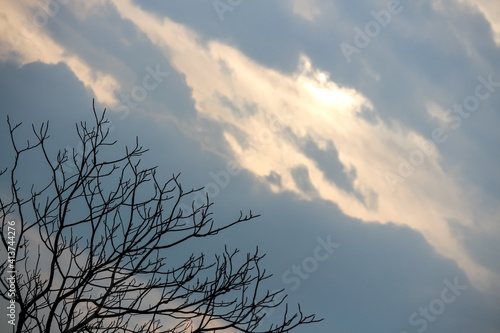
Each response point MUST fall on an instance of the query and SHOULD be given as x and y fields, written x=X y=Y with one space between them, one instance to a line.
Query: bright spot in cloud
x=437 y=112
x=307 y=9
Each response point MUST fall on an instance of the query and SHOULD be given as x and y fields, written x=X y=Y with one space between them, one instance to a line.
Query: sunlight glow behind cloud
x=307 y=105
x=263 y=112
x=324 y=112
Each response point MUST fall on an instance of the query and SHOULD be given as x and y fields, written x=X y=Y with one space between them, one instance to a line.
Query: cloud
x=279 y=126
x=309 y=104
x=404 y=272
x=488 y=9
x=25 y=39
x=437 y=112
x=307 y=9
x=491 y=11
x=300 y=175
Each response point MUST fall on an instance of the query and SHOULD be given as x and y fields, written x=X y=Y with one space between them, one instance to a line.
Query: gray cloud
x=302 y=180
x=383 y=272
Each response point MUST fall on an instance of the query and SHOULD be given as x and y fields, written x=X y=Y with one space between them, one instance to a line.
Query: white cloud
x=324 y=111
x=307 y=9
x=308 y=103
x=491 y=11
x=437 y=112
x=24 y=41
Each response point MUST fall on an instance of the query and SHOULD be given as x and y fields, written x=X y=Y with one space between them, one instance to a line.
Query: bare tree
x=100 y=248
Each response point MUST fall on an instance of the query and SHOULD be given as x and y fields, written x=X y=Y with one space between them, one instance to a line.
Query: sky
x=365 y=133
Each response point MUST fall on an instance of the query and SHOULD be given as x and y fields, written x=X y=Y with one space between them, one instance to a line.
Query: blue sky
x=372 y=124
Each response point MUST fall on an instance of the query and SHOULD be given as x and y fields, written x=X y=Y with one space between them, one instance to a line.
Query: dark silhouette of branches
x=100 y=248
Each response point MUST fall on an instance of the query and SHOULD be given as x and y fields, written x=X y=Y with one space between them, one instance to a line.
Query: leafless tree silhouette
x=99 y=248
